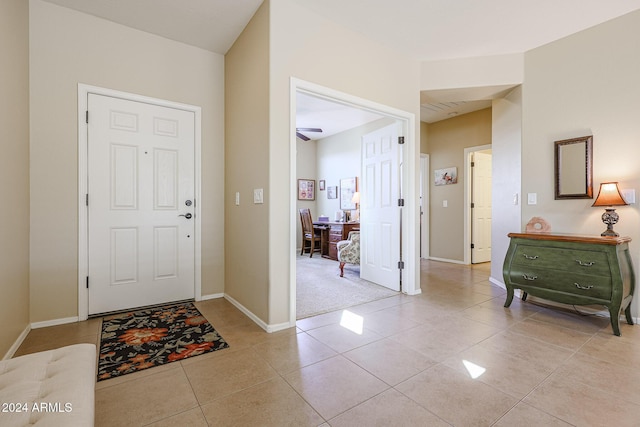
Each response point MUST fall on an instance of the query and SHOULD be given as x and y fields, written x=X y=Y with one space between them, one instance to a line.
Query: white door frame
x=467 y=198
x=424 y=194
x=410 y=192
x=83 y=173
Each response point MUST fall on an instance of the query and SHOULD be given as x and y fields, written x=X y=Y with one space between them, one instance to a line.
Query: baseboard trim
x=452 y=261
x=498 y=283
x=54 y=322
x=16 y=345
x=268 y=328
x=211 y=296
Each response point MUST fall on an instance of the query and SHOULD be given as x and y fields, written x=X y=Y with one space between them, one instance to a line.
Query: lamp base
x=610 y=217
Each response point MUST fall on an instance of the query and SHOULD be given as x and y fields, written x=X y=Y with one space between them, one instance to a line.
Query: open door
x=481 y=207
x=379 y=210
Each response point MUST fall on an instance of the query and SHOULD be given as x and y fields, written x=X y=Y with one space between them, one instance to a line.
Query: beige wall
x=269 y=53
x=14 y=171
x=447 y=140
x=506 y=157
x=338 y=58
x=247 y=166
x=600 y=100
x=68 y=48
x=307 y=168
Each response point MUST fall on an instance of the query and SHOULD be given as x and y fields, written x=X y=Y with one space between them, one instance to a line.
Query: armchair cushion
x=349 y=250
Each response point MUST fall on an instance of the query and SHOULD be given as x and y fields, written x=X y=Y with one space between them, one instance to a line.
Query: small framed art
x=306 y=189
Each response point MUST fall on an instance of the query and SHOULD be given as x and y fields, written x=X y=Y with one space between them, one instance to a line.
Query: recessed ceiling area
x=436 y=105
x=330 y=116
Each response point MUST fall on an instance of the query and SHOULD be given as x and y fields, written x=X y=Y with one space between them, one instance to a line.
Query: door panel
x=141 y=173
x=379 y=212
x=481 y=212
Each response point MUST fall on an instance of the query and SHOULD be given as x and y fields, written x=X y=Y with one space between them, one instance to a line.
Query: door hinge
x=473 y=164
x=86 y=116
x=473 y=246
x=401 y=140
x=86 y=199
x=87 y=282
x=473 y=205
x=400 y=202
x=400 y=265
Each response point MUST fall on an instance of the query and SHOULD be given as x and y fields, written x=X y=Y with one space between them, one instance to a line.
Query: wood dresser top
x=575 y=238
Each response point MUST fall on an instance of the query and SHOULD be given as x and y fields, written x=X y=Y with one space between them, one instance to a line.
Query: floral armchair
x=349 y=250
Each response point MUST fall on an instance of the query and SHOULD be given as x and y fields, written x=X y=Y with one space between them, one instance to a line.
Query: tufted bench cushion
x=50 y=388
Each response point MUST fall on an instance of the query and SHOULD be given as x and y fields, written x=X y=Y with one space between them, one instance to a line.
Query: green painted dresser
x=572 y=269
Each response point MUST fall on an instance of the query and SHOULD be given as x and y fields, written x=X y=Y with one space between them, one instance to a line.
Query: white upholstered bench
x=50 y=388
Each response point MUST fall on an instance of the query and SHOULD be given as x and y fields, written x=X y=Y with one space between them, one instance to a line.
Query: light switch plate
x=258 y=196
x=532 y=198
x=445 y=203
x=237 y=198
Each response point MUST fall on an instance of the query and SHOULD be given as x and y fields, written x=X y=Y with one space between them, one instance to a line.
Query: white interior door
x=379 y=211
x=140 y=204
x=481 y=210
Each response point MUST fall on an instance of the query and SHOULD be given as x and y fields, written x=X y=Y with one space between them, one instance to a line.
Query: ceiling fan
x=303 y=137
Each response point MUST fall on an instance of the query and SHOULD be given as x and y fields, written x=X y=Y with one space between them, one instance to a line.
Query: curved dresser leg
x=507 y=303
x=627 y=314
x=615 y=320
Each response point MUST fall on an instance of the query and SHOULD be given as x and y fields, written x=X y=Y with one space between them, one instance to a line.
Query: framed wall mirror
x=573 y=168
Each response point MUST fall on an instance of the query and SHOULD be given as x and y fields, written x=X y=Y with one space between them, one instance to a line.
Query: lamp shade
x=609 y=195
x=356 y=197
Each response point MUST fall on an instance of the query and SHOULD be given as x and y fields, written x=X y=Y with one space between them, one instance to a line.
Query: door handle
x=188 y=216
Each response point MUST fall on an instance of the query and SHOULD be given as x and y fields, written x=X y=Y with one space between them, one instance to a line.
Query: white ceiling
x=423 y=29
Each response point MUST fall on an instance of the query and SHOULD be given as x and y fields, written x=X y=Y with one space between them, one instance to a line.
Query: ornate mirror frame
x=574 y=168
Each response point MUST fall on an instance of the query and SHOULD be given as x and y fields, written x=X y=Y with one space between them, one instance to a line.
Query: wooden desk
x=333 y=232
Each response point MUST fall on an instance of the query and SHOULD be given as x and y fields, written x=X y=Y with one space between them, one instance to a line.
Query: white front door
x=379 y=211
x=140 y=204
x=481 y=210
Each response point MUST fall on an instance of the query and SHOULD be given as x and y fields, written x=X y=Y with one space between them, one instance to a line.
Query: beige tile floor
x=451 y=356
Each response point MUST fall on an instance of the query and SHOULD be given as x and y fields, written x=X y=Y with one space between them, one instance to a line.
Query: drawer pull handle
x=585 y=264
x=530 y=257
x=584 y=288
x=525 y=277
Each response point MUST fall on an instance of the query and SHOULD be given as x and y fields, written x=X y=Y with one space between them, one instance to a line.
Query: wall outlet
x=445 y=204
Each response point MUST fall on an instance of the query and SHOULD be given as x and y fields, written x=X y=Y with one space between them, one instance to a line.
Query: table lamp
x=609 y=196
x=356 y=199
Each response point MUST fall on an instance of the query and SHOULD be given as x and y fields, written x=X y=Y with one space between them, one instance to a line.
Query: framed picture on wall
x=321 y=185
x=332 y=192
x=348 y=186
x=446 y=176
x=306 y=189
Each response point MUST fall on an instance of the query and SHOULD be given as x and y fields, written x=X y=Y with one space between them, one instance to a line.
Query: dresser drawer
x=585 y=285
x=576 y=260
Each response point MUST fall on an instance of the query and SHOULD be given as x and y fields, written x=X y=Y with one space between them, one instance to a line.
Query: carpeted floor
x=149 y=337
x=320 y=288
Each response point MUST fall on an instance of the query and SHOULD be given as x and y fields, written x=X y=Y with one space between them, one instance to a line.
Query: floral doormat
x=138 y=340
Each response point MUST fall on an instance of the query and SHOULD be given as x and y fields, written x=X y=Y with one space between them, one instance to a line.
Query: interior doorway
x=410 y=244
x=478 y=217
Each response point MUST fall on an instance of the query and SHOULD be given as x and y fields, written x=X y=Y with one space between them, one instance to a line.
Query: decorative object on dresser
x=572 y=269
x=538 y=225
x=609 y=196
